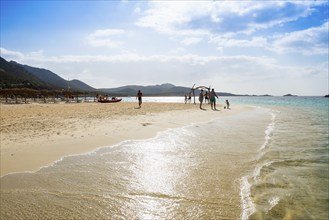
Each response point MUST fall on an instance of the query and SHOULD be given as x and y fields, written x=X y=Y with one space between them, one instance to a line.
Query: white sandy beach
x=36 y=135
x=162 y=160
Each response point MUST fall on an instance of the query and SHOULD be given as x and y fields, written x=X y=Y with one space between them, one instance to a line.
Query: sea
x=268 y=162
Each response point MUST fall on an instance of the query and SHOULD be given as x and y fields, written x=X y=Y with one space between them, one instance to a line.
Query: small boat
x=112 y=100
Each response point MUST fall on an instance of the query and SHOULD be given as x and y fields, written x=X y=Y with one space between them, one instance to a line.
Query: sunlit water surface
x=267 y=163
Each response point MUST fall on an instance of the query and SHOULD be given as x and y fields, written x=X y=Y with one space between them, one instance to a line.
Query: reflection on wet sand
x=183 y=173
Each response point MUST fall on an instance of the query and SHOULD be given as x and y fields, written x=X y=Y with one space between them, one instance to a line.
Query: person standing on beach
x=139 y=96
x=212 y=98
x=201 y=98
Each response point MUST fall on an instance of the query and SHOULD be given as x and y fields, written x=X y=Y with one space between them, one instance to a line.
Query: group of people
x=211 y=97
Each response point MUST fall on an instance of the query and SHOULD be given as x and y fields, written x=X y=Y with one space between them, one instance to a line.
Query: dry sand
x=36 y=135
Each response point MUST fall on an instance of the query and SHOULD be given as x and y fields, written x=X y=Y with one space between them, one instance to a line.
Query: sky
x=242 y=47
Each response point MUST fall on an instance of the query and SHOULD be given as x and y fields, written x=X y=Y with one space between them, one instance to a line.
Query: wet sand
x=36 y=135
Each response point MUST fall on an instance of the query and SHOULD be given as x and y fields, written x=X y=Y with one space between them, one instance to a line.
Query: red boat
x=105 y=100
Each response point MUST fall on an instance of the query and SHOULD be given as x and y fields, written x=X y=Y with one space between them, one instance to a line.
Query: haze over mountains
x=15 y=75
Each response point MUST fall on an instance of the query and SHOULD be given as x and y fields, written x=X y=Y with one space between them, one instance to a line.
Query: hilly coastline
x=17 y=76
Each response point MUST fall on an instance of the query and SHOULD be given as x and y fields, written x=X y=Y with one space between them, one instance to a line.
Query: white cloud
x=191 y=40
x=105 y=38
x=222 y=41
x=229 y=23
x=137 y=10
x=308 y=42
x=107 y=32
x=176 y=41
x=236 y=74
x=178 y=50
x=173 y=17
x=163 y=15
x=11 y=54
x=36 y=57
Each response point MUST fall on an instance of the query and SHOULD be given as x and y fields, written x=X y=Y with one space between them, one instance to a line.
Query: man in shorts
x=212 y=96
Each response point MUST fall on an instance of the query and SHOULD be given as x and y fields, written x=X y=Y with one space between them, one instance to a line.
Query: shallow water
x=186 y=173
x=267 y=163
x=290 y=180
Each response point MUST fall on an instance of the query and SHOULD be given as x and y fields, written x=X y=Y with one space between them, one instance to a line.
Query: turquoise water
x=291 y=176
x=270 y=162
x=284 y=101
x=290 y=179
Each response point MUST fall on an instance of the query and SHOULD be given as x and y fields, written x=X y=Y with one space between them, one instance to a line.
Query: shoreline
x=37 y=135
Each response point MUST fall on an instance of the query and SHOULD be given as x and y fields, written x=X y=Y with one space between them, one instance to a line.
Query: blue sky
x=243 y=47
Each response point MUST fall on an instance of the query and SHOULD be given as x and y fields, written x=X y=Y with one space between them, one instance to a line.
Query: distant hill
x=15 y=76
x=166 y=89
x=79 y=85
x=52 y=78
x=154 y=90
x=289 y=95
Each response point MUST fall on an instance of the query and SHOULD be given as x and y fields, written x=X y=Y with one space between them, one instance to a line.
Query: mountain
x=166 y=89
x=52 y=78
x=15 y=76
x=153 y=90
x=79 y=85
